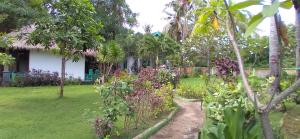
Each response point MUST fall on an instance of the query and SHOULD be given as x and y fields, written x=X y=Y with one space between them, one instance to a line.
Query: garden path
x=186 y=123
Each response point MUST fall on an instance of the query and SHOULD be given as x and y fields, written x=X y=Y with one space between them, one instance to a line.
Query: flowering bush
x=141 y=99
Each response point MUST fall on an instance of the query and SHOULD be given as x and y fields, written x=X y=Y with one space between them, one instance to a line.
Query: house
x=29 y=57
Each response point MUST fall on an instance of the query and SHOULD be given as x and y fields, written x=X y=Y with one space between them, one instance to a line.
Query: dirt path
x=185 y=124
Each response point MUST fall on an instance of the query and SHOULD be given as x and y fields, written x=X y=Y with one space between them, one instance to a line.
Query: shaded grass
x=291 y=122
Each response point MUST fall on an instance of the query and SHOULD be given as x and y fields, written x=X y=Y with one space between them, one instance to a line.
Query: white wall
x=49 y=62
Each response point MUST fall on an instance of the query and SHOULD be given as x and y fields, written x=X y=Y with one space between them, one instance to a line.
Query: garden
x=81 y=69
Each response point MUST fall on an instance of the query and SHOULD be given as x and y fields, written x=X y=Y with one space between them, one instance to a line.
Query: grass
x=194 y=82
x=291 y=124
x=191 y=88
x=38 y=113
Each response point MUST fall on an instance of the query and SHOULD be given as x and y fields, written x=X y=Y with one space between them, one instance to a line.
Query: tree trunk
x=274 y=54
x=130 y=64
x=139 y=64
x=109 y=70
x=151 y=62
x=297 y=25
x=265 y=122
x=157 y=62
x=208 y=64
x=62 y=78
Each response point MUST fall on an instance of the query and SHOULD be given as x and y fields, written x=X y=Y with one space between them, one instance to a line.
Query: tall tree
x=70 y=27
x=116 y=16
x=18 y=13
x=297 y=25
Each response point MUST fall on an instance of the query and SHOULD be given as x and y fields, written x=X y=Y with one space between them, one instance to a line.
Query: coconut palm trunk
x=274 y=53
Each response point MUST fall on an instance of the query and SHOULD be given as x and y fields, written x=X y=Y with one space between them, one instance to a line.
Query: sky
x=151 y=12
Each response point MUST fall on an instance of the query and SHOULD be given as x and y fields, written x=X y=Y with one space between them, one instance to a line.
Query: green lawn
x=37 y=113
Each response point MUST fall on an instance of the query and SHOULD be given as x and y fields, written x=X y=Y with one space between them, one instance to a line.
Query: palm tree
x=109 y=54
x=178 y=27
x=157 y=47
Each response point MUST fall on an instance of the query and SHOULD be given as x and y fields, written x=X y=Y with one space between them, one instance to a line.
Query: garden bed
x=152 y=130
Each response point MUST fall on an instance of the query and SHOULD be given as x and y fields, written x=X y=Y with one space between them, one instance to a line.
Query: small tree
x=109 y=54
x=71 y=27
x=5 y=41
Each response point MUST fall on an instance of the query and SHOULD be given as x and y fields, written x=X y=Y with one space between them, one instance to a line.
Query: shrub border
x=152 y=130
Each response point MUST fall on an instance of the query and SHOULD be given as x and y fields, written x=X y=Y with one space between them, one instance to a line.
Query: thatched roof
x=20 y=41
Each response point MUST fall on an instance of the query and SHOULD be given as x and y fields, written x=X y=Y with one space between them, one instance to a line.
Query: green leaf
x=203 y=17
x=286 y=4
x=270 y=10
x=244 y=4
x=254 y=22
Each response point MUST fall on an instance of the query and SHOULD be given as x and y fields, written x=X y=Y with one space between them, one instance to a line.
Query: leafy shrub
x=36 y=78
x=73 y=81
x=184 y=75
x=234 y=126
x=102 y=128
x=42 y=78
x=164 y=76
x=226 y=68
x=167 y=95
x=140 y=100
x=113 y=99
x=151 y=94
x=221 y=95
